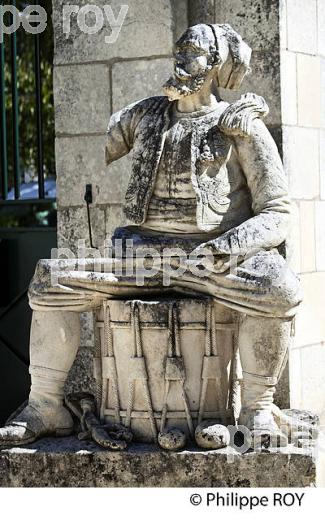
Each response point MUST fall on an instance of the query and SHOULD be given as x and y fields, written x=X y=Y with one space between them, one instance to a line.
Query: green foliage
x=27 y=100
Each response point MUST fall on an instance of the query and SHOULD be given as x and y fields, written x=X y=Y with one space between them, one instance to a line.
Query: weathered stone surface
x=302 y=26
x=86 y=165
x=282 y=392
x=72 y=463
x=255 y=20
x=145 y=78
x=172 y=439
x=80 y=377
x=212 y=436
x=86 y=329
x=82 y=99
x=73 y=226
x=283 y=24
x=114 y=218
x=264 y=80
x=201 y=11
x=144 y=17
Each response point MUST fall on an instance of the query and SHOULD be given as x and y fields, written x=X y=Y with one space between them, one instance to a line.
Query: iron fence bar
x=15 y=112
x=3 y=125
x=39 y=123
x=9 y=202
x=13 y=303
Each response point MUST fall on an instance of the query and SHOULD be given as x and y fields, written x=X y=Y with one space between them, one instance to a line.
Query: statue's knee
x=287 y=292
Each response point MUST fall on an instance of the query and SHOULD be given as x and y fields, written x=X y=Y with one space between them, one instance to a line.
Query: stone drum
x=166 y=363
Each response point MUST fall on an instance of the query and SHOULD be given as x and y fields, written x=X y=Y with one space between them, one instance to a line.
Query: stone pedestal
x=72 y=463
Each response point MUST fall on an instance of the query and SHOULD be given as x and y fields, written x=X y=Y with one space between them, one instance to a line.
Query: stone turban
x=226 y=48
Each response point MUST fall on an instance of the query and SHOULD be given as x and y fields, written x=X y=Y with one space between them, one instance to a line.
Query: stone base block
x=72 y=463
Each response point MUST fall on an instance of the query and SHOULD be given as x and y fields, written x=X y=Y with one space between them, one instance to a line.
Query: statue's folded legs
x=266 y=302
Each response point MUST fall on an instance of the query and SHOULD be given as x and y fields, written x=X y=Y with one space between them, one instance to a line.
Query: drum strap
x=211 y=369
x=138 y=371
x=175 y=368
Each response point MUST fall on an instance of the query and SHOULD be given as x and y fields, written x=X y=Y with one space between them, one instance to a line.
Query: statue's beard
x=176 y=88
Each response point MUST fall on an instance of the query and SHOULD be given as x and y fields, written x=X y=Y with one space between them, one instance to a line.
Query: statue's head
x=206 y=52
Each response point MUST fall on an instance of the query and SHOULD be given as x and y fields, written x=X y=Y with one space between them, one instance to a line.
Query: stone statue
x=206 y=175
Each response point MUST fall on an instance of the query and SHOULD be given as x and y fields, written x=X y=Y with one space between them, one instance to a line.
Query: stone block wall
x=92 y=79
x=302 y=41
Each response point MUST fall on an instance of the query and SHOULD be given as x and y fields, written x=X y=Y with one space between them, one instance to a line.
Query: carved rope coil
x=211 y=362
x=141 y=373
x=108 y=352
x=175 y=370
x=234 y=402
x=97 y=365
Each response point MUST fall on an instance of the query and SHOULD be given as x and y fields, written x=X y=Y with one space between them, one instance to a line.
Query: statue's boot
x=53 y=346
x=263 y=346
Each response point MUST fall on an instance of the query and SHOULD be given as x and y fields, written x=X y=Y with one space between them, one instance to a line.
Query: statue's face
x=192 y=64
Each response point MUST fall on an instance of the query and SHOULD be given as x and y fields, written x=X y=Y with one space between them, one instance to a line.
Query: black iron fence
x=27 y=171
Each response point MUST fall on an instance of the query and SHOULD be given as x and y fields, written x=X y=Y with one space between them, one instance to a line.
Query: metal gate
x=27 y=190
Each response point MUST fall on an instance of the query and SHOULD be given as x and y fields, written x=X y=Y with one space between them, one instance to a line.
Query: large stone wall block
x=301 y=161
x=307 y=229
x=293 y=242
x=147 y=30
x=257 y=21
x=302 y=26
x=320 y=235
x=295 y=378
x=288 y=88
x=313 y=386
x=322 y=90
x=81 y=161
x=321 y=26
x=145 y=78
x=322 y=163
x=82 y=99
x=310 y=323
x=309 y=90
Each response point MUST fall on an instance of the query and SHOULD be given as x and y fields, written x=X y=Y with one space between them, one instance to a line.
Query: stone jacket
x=243 y=155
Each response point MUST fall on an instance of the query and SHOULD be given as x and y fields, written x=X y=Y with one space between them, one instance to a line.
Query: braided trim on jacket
x=238 y=117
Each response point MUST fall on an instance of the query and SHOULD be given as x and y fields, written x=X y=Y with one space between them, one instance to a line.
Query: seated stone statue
x=205 y=174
